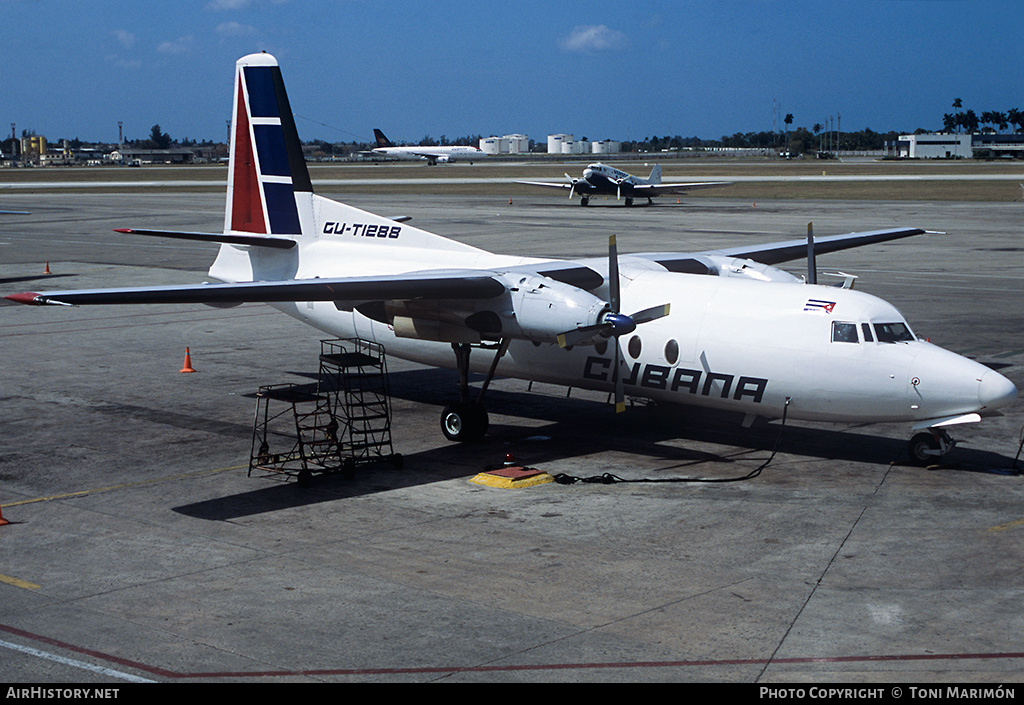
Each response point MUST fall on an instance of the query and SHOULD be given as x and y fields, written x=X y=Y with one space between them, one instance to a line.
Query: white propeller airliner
x=604 y=180
x=721 y=329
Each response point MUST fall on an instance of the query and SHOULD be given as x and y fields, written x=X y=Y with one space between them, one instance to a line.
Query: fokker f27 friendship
x=603 y=180
x=722 y=329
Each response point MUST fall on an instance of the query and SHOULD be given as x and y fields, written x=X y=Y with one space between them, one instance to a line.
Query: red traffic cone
x=188 y=362
x=3 y=522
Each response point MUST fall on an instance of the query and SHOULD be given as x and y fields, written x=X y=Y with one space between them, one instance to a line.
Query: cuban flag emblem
x=819 y=305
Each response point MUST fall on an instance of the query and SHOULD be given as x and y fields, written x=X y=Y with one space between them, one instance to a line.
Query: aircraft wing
x=562 y=185
x=789 y=250
x=426 y=285
x=431 y=285
x=658 y=189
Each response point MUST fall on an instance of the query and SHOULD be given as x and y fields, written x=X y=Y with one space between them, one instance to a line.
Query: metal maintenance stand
x=345 y=421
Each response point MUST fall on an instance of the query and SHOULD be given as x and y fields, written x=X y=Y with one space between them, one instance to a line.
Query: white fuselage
x=441 y=154
x=730 y=343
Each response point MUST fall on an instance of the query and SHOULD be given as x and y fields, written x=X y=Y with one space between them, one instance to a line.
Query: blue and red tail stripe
x=267 y=164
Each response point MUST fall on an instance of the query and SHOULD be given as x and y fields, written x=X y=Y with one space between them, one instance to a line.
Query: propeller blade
x=579 y=335
x=620 y=394
x=650 y=314
x=613 y=274
x=812 y=267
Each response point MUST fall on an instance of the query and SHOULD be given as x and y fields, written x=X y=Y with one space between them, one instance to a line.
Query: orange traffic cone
x=46 y=270
x=188 y=362
x=3 y=522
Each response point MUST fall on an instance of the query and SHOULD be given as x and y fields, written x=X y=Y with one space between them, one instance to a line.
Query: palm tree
x=970 y=121
x=1015 y=118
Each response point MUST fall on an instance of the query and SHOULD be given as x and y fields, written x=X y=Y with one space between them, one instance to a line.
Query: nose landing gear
x=928 y=447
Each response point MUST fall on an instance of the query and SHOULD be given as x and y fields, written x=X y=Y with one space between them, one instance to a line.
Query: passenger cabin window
x=893 y=333
x=844 y=332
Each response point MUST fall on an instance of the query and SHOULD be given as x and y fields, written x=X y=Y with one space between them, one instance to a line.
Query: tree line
x=970 y=122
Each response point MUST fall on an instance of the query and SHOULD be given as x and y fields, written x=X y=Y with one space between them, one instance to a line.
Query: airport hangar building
x=943 y=145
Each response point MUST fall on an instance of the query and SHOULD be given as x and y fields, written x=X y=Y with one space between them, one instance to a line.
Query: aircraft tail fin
x=655 y=177
x=270 y=201
x=266 y=168
x=382 y=141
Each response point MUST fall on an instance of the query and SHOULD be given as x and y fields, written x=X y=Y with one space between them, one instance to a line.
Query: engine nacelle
x=543 y=308
x=725 y=266
x=533 y=308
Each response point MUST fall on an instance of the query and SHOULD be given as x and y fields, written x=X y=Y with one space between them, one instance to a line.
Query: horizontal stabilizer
x=282 y=243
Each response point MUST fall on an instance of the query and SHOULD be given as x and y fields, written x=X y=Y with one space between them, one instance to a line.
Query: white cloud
x=235 y=29
x=124 y=38
x=587 y=38
x=221 y=5
x=181 y=45
x=228 y=4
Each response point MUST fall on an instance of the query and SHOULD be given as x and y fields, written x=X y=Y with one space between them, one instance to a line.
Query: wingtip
x=27 y=297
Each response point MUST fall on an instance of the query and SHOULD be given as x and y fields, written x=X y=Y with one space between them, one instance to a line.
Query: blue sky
x=601 y=70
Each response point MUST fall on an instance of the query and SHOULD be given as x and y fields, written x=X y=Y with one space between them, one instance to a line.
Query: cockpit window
x=893 y=333
x=844 y=332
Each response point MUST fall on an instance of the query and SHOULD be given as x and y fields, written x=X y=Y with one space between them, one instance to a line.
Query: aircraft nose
x=995 y=391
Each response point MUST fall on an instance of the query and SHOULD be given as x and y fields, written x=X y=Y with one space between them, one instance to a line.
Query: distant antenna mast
x=120 y=134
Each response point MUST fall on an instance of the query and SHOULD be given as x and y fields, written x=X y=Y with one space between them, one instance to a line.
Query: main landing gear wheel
x=464 y=421
x=584 y=201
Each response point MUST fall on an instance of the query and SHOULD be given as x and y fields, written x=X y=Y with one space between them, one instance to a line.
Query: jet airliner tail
x=655 y=177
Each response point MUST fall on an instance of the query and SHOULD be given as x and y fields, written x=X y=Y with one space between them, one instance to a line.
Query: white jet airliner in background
x=603 y=180
x=433 y=155
x=722 y=329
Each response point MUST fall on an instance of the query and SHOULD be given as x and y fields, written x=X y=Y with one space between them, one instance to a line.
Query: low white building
x=934 y=146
